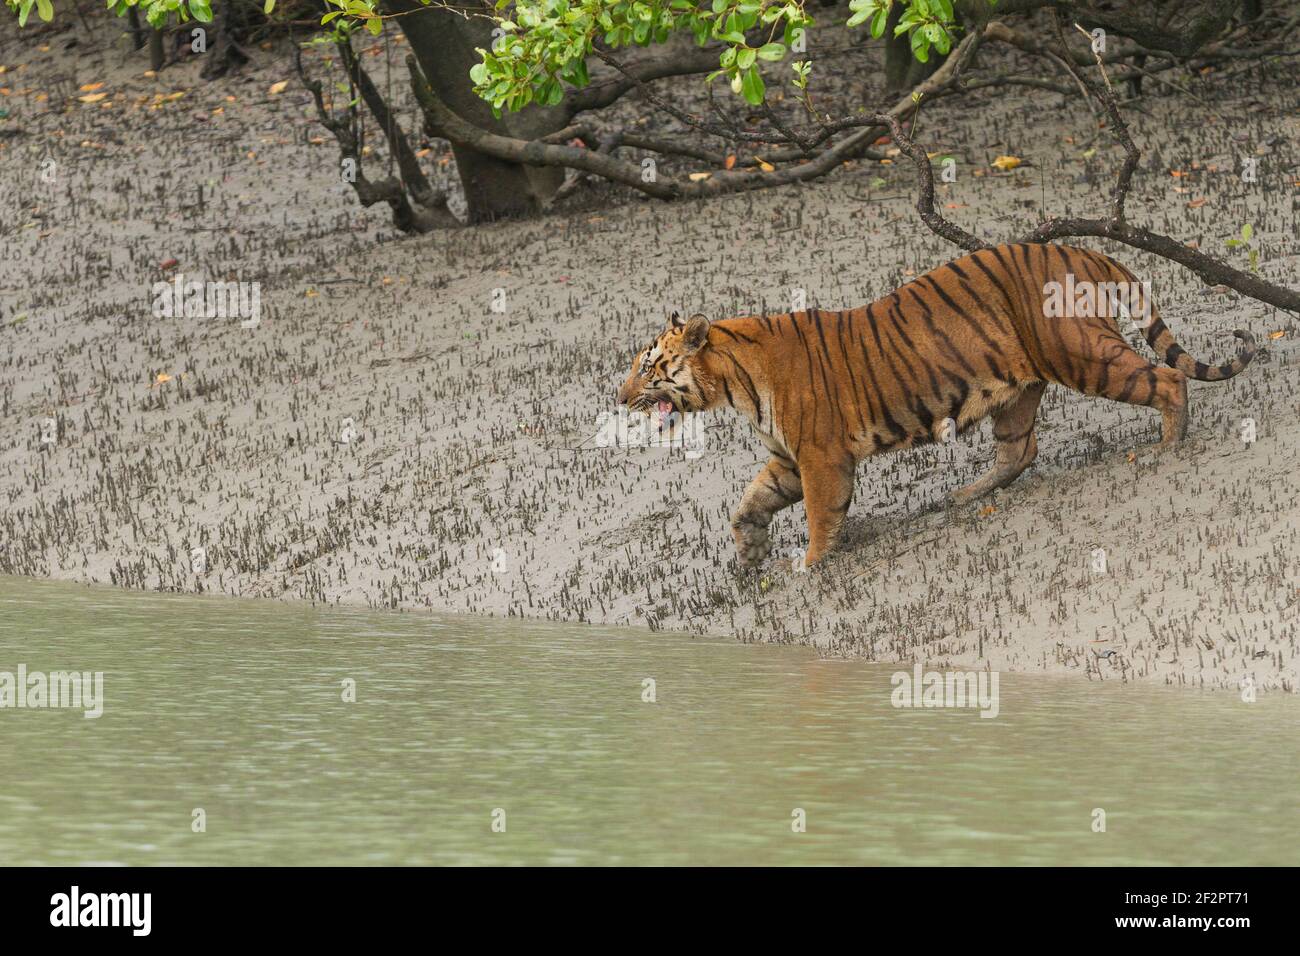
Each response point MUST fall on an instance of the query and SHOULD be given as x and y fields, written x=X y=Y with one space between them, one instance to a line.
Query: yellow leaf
x=277 y=88
x=764 y=165
x=699 y=177
x=162 y=377
x=1277 y=335
x=92 y=97
x=90 y=87
x=1007 y=162
x=988 y=510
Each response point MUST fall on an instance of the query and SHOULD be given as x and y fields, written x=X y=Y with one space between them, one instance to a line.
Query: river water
x=499 y=741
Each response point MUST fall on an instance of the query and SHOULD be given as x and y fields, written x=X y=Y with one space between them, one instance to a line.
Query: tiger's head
x=668 y=375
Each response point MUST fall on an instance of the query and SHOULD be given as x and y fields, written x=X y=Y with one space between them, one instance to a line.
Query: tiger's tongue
x=665 y=408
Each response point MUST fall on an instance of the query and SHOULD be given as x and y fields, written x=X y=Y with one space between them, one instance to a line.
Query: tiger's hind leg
x=1013 y=427
x=1125 y=376
x=777 y=486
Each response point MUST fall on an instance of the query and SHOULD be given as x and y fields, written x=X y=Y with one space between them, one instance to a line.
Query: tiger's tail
x=1164 y=344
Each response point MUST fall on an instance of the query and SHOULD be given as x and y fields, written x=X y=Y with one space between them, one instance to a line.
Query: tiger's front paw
x=753 y=544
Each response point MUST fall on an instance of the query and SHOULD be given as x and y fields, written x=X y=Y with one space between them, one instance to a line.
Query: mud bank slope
x=471 y=368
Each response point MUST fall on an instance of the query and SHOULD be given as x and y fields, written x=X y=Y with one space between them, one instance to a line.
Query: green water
x=236 y=707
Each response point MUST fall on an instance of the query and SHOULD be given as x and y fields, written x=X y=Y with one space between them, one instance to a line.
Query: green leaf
x=878 y=23
x=269 y=6
x=1247 y=231
x=751 y=86
x=920 y=46
x=772 y=51
x=200 y=10
x=745 y=59
x=45 y=9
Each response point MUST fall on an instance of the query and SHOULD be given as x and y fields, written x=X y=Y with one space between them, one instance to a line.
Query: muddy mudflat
x=410 y=423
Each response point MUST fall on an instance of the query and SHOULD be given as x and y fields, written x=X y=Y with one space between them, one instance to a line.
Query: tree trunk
x=444 y=44
x=156 y=50
x=224 y=52
x=133 y=21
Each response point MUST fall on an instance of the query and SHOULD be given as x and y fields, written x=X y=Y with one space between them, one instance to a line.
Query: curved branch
x=925 y=201
x=1210 y=270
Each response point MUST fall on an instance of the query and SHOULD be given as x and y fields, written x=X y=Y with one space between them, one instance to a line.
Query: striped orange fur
x=970 y=339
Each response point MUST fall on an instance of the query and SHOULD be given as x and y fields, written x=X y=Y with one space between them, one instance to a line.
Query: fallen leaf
x=277 y=88
x=988 y=510
x=699 y=177
x=89 y=87
x=162 y=377
x=169 y=264
x=764 y=165
x=1277 y=335
x=1132 y=457
x=92 y=97
x=729 y=162
x=1198 y=202
x=1006 y=163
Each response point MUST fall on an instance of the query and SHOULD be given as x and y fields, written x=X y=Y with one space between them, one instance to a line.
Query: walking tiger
x=973 y=338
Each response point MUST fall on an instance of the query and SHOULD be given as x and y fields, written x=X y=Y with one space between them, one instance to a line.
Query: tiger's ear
x=696 y=335
x=676 y=321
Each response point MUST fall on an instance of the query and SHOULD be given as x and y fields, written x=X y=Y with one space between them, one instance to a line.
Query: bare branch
x=925 y=201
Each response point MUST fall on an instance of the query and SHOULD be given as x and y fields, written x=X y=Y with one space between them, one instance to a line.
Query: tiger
x=971 y=339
